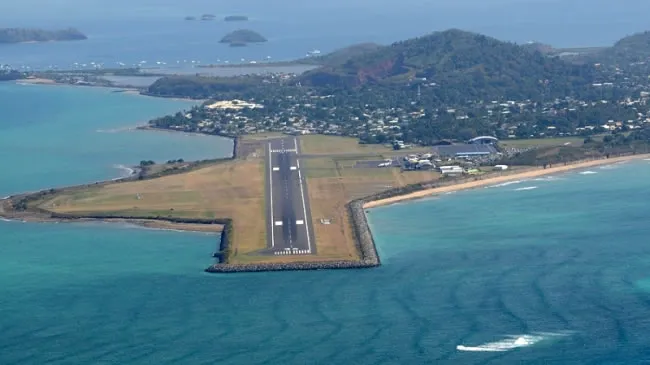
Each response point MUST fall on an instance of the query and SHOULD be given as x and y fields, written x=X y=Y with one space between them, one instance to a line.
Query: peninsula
x=242 y=37
x=25 y=35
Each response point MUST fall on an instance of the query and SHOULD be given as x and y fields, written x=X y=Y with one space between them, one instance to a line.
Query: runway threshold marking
x=294 y=252
x=300 y=222
x=278 y=223
x=276 y=169
x=293 y=168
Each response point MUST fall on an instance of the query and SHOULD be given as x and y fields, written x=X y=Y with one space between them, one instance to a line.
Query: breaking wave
x=548 y=178
x=127 y=171
x=588 y=172
x=526 y=188
x=506 y=184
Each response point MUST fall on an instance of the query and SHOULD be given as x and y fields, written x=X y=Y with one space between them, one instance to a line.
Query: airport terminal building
x=476 y=147
x=464 y=150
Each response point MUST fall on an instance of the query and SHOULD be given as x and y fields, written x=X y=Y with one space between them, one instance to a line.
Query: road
x=290 y=230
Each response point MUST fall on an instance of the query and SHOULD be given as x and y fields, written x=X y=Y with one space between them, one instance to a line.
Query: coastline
x=478 y=181
x=116 y=89
x=140 y=223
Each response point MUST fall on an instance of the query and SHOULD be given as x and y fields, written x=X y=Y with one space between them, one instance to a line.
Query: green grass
x=543 y=142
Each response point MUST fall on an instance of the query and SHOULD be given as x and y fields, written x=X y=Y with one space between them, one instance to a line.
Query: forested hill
x=631 y=49
x=472 y=64
x=340 y=56
x=19 y=35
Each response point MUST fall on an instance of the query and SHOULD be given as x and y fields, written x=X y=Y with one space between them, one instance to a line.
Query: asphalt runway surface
x=289 y=226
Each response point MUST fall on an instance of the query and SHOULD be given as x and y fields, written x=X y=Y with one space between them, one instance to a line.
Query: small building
x=450 y=170
x=501 y=167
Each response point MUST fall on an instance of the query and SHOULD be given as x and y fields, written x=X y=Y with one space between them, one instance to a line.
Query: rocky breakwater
x=365 y=245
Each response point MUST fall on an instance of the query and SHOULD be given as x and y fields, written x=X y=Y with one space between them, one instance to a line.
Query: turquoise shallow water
x=59 y=135
x=567 y=256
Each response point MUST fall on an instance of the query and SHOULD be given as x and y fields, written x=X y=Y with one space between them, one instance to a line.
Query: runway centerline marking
x=300 y=222
x=276 y=169
x=293 y=168
x=278 y=223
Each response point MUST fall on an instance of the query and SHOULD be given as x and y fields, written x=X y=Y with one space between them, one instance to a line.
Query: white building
x=446 y=170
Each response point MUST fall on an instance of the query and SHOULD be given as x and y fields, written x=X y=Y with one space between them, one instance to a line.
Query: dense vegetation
x=197 y=87
x=18 y=35
x=340 y=56
x=629 y=50
x=243 y=36
x=469 y=65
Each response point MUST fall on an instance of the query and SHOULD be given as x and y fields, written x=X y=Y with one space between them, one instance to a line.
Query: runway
x=289 y=226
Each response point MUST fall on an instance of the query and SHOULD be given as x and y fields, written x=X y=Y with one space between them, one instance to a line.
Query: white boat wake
x=512 y=342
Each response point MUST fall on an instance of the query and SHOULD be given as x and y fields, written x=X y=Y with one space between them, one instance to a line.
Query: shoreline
x=478 y=182
x=116 y=89
x=158 y=225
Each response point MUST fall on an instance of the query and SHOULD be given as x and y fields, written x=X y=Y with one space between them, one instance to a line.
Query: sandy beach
x=500 y=178
x=36 y=81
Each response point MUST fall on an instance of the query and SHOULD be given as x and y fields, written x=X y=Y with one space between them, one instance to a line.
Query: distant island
x=22 y=35
x=190 y=18
x=208 y=17
x=242 y=37
x=236 y=18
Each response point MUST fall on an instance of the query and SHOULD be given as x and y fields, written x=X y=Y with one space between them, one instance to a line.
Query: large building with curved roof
x=484 y=140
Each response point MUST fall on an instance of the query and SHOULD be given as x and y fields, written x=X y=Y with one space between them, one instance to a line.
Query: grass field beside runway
x=226 y=190
x=317 y=144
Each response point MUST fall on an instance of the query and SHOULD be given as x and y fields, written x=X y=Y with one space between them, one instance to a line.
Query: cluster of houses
x=308 y=116
x=304 y=111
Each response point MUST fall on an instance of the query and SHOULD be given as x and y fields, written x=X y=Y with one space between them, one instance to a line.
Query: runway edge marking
x=302 y=195
x=271 y=196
